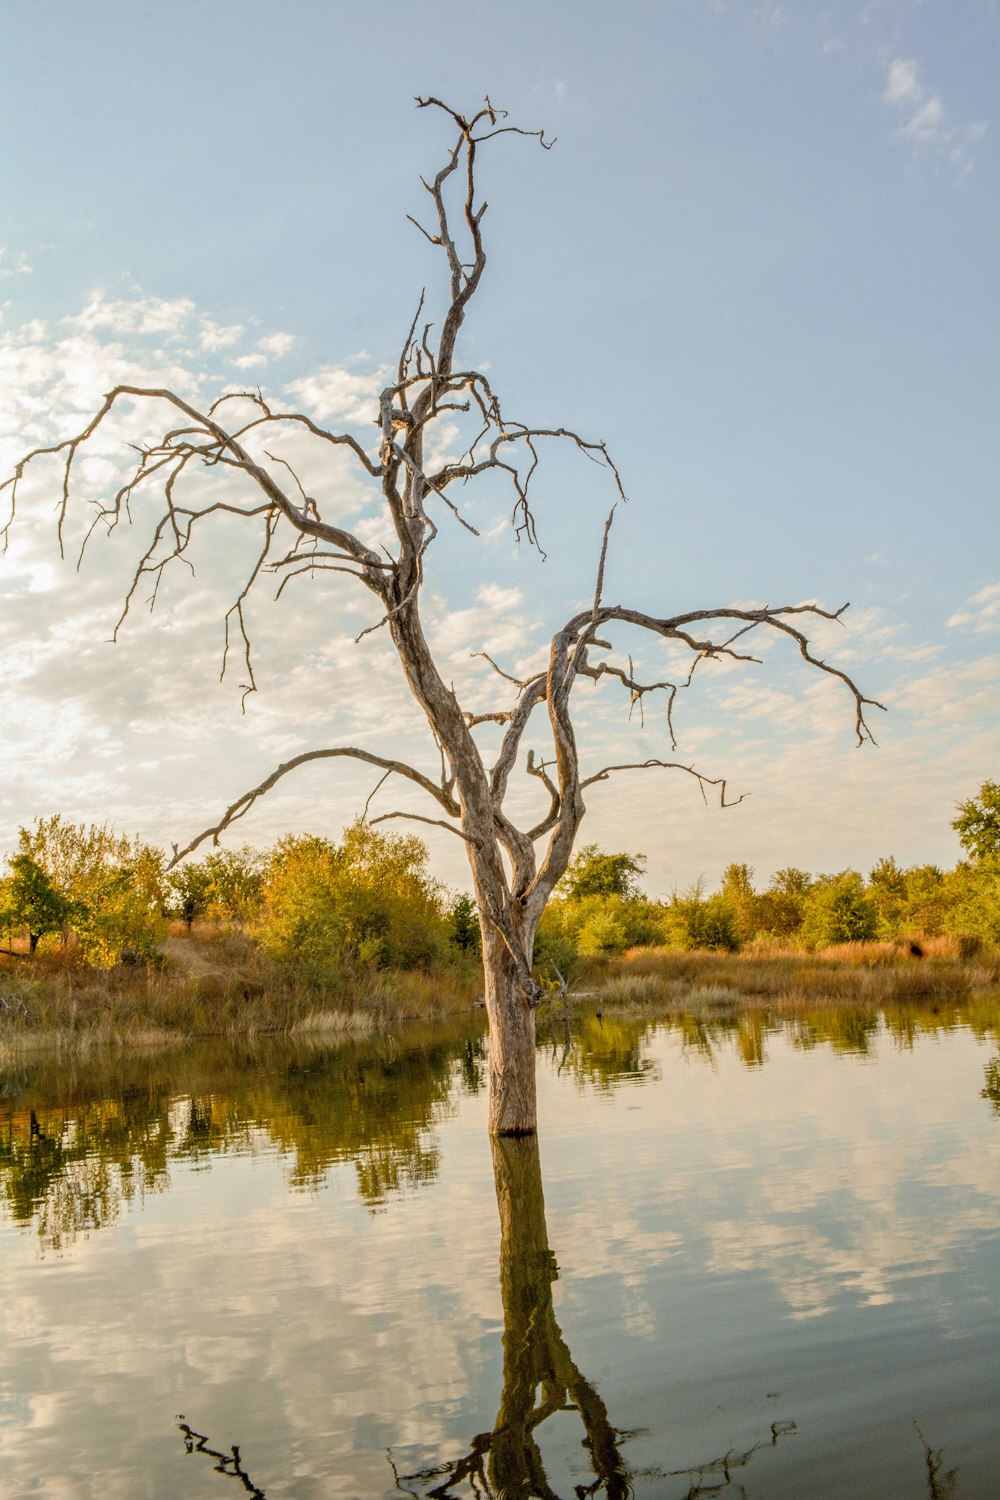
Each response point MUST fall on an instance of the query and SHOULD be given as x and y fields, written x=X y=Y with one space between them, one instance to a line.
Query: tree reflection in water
x=540 y=1376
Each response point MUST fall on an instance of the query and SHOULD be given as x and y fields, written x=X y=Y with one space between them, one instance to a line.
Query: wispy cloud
x=981 y=614
x=271 y=346
x=925 y=126
x=164 y=317
x=774 y=16
x=13 y=265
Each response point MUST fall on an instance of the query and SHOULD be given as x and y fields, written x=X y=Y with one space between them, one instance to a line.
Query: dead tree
x=514 y=869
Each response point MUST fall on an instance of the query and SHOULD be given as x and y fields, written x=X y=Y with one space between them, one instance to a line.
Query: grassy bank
x=878 y=974
x=216 y=982
x=208 y=983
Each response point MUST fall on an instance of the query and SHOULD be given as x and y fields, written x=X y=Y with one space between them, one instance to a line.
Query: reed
x=863 y=974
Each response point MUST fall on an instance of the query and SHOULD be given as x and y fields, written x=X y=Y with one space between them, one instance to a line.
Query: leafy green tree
x=225 y=886
x=978 y=822
x=116 y=886
x=30 y=902
x=189 y=889
x=300 y=910
x=737 y=889
x=838 y=909
x=594 y=873
x=973 y=900
x=925 y=909
x=236 y=883
x=909 y=901
x=592 y=926
x=603 y=931
x=781 y=907
x=887 y=888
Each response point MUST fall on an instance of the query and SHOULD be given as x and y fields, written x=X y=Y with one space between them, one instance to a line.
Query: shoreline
x=65 y=1009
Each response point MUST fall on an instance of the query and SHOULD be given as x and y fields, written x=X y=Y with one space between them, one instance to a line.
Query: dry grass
x=866 y=974
x=213 y=983
x=217 y=982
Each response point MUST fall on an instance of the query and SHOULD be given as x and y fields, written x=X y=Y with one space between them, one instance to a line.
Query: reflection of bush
x=992 y=1089
x=77 y=1146
x=81 y=1139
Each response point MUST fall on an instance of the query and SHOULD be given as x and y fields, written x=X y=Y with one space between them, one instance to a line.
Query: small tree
x=978 y=822
x=464 y=923
x=973 y=900
x=781 y=907
x=594 y=873
x=737 y=889
x=695 y=920
x=225 y=886
x=114 y=886
x=190 y=890
x=29 y=902
x=887 y=888
x=369 y=900
x=514 y=869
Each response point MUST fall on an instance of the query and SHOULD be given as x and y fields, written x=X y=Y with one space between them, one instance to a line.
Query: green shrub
x=368 y=901
x=838 y=909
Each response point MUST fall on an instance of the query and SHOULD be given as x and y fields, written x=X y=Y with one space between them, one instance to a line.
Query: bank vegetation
x=100 y=942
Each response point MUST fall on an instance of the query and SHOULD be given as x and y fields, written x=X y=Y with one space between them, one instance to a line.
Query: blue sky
x=757 y=262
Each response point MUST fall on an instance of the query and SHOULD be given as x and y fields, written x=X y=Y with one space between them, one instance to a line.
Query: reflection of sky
x=809 y=1240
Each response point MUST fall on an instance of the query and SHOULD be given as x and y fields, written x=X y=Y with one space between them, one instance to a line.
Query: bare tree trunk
x=513 y=1109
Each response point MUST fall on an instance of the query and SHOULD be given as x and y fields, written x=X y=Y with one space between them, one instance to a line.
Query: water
x=745 y=1260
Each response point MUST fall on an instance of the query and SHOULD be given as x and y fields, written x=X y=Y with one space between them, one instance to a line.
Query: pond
x=751 y=1257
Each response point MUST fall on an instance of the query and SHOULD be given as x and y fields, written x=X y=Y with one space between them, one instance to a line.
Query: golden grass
x=867 y=974
x=214 y=983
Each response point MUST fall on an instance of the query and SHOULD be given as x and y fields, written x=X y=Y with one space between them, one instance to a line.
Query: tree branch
x=242 y=805
x=433 y=822
x=670 y=765
x=773 y=618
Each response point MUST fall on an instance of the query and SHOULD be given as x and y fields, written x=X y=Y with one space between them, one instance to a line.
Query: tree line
x=371 y=900
x=107 y=899
x=602 y=909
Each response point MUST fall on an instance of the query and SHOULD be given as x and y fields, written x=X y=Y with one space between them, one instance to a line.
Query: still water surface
x=757 y=1260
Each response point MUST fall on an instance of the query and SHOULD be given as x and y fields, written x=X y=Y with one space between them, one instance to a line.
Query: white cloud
x=334 y=393
x=982 y=614
x=272 y=346
x=925 y=125
x=214 y=336
x=167 y=317
x=902 y=86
